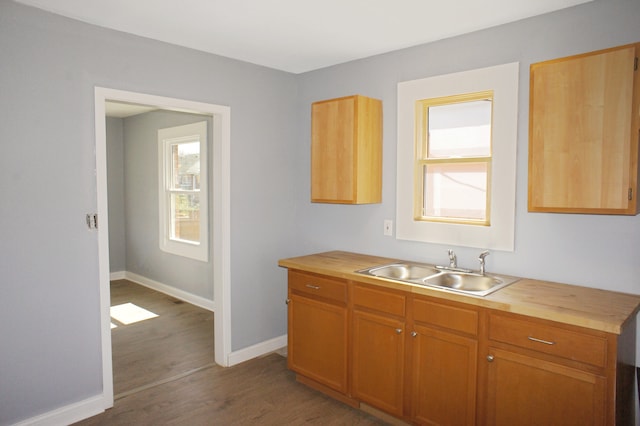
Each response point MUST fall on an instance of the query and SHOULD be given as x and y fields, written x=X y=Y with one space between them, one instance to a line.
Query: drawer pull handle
x=315 y=287
x=546 y=342
x=398 y=330
x=414 y=334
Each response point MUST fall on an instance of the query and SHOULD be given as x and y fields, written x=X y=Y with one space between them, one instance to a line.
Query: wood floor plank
x=258 y=392
x=178 y=340
x=165 y=375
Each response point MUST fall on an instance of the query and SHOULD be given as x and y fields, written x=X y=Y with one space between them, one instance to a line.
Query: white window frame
x=167 y=138
x=502 y=80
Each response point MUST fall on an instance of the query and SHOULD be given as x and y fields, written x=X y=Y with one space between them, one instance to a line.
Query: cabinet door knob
x=398 y=330
x=490 y=358
x=414 y=334
x=287 y=301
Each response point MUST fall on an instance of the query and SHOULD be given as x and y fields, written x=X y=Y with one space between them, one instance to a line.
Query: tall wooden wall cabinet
x=584 y=127
x=346 y=150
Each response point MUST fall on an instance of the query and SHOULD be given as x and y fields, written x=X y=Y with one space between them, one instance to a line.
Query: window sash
x=426 y=206
x=183 y=212
x=422 y=160
x=172 y=189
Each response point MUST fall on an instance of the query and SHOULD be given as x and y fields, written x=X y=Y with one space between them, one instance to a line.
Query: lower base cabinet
x=318 y=329
x=541 y=372
x=526 y=391
x=444 y=378
x=430 y=361
x=378 y=342
x=444 y=363
x=378 y=362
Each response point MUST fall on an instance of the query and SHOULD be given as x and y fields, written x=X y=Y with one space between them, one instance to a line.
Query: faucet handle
x=453 y=261
x=481 y=259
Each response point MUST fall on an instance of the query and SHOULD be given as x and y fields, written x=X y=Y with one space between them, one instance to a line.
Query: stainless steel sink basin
x=403 y=271
x=440 y=278
x=464 y=281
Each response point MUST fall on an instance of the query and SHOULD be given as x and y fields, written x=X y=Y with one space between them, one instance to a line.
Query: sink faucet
x=453 y=261
x=481 y=259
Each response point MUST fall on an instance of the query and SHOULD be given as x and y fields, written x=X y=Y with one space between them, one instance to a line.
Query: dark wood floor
x=176 y=342
x=164 y=375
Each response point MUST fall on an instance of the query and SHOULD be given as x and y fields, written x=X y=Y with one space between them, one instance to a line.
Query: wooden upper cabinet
x=583 y=133
x=346 y=150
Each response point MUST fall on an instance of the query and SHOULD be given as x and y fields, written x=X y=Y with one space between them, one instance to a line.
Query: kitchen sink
x=458 y=280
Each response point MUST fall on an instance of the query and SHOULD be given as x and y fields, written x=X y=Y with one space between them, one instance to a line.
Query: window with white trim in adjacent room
x=183 y=191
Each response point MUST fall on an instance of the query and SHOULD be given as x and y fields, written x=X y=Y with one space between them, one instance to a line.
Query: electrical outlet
x=388 y=227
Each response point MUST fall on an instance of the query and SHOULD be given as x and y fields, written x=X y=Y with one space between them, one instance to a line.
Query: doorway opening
x=220 y=213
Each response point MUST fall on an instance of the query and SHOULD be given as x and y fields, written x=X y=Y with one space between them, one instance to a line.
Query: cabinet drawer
x=318 y=286
x=445 y=316
x=549 y=339
x=379 y=300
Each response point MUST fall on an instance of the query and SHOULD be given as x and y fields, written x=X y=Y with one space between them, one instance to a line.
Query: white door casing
x=220 y=181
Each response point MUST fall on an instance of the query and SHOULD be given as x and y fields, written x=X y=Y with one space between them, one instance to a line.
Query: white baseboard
x=257 y=350
x=118 y=275
x=68 y=414
x=167 y=289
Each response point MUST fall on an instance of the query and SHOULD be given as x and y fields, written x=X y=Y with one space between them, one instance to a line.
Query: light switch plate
x=388 y=227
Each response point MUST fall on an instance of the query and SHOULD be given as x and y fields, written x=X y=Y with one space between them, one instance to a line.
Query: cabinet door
x=583 y=137
x=378 y=360
x=318 y=341
x=444 y=374
x=523 y=390
x=346 y=150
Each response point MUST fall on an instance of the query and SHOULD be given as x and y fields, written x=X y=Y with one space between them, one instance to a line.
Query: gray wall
x=144 y=256
x=49 y=292
x=49 y=299
x=115 y=190
x=577 y=249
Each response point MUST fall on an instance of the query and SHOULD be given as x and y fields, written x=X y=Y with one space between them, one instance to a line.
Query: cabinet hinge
x=630 y=194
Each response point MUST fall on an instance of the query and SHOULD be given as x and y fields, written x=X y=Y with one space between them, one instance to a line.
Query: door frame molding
x=220 y=232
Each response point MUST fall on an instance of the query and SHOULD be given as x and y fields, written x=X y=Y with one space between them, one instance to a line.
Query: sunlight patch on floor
x=128 y=313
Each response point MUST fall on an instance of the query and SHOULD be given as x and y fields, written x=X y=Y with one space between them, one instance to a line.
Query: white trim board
x=257 y=350
x=194 y=299
x=68 y=414
x=118 y=275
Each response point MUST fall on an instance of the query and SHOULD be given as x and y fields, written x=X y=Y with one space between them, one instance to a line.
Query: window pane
x=185 y=217
x=185 y=164
x=456 y=190
x=460 y=129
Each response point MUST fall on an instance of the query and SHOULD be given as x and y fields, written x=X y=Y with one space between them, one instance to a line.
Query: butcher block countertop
x=596 y=309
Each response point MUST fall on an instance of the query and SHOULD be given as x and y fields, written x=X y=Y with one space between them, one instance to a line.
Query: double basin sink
x=456 y=280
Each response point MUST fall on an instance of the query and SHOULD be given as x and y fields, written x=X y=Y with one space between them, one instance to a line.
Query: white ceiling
x=299 y=35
